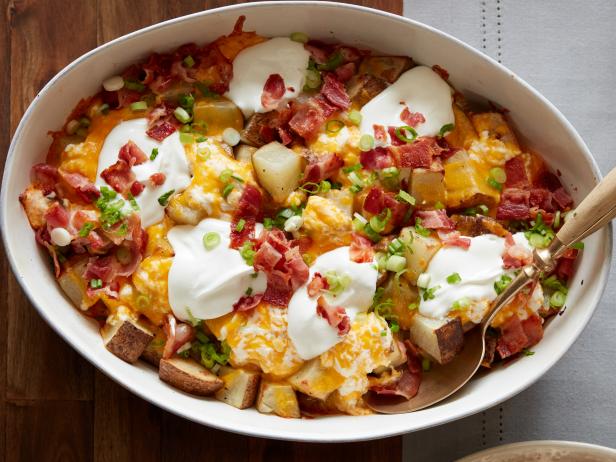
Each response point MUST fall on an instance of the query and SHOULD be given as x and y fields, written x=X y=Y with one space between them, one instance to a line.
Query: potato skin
x=240 y=387
x=189 y=376
x=279 y=399
x=128 y=341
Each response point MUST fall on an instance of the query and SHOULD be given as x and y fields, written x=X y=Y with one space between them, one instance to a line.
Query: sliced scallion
x=299 y=37
x=138 y=106
x=334 y=126
x=355 y=117
x=182 y=115
x=189 y=61
x=164 y=199
x=400 y=133
x=211 y=240
x=366 y=142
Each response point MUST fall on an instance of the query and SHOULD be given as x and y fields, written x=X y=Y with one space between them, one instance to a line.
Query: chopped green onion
x=494 y=184
x=354 y=117
x=396 y=247
x=201 y=139
x=483 y=209
x=439 y=205
x=498 y=174
x=211 y=240
x=191 y=319
x=426 y=364
x=553 y=283
x=189 y=61
x=413 y=306
x=138 y=106
x=268 y=223
x=134 y=85
x=454 y=278
x=227 y=190
x=402 y=136
x=403 y=196
x=187 y=101
x=355 y=179
x=445 y=129
x=334 y=126
x=84 y=122
x=372 y=234
x=355 y=188
x=133 y=202
x=181 y=114
x=162 y=200
x=352 y=168
x=366 y=142
x=538 y=241
x=313 y=79
x=379 y=222
x=299 y=37
x=186 y=138
x=428 y=294
x=461 y=303
x=558 y=299
x=556 y=222
x=247 y=253
x=104 y=109
x=325 y=186
x=390 y=172
x=577 y=245
x=332 y=63
x=154 y=154
x=225 y=175
x=502 y=283
x=96 y=283
x=239 y=227
x=85 y=229
x=186 y=128
x=337 y=282
x=395 y=263
x=248 y=291
x=83 y=132
x=527 y=352
x=205 y=90
x=420 y=229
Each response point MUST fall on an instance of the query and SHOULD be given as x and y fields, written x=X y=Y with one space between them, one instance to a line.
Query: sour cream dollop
x=479 y=267
x=310 y=333
x=171 y=160
x=205 y=284
x=421 y=90
x=253 y=66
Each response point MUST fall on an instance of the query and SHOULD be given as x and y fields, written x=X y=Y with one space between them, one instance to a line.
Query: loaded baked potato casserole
x=288 y=223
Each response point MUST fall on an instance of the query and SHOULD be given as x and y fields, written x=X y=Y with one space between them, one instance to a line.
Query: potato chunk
x=419 y=251
x=243 y=153
x=278 y=169
x=218 y=114
x=127 y=339
x=402 y=294
x=277 y=398
x=427 y=186
x=388 y=68
x=316 y=381
x=189 y=376
x=35 y=204
x=441 y=339
x=466 y=183
x=240 y=387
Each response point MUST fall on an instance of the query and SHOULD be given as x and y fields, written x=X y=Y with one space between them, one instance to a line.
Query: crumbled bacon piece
x=361 y=250
x=515 y=256
x=408 y=383
x=161 y=130
x=412 y=119
x=380 y=134
x=157 y=179
x=376 y=159
x=321 y=167
x=310 y=115
x=454 y=239
x=514 y=205
x=515 y=335
x=273 y=91
x=119 y=176
x=247 y=302
x=44 y=177
x=249 y=209
x=378 y=200
x=132 y=154
x=136 y=188
x=56 y=216
x=335 y=92
x=77 y=187
x=435 y=219
x=345 y=72
x=317 y=285
x=335 y=315
x=516 y=173
x=418 y=154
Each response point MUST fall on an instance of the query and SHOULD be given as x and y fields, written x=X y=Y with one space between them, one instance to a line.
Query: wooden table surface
x=54 y=405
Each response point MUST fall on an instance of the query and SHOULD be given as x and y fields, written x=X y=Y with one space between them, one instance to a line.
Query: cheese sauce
x=479 y=267
x=205 y=284
x=310 y=333
x=421 y=90
x=253 y=66
x=171 y=160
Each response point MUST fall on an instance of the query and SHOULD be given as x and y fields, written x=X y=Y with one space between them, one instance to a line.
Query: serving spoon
x=596 y=210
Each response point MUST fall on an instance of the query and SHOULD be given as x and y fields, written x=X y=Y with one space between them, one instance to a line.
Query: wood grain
x=53 y=371
x=53 y=405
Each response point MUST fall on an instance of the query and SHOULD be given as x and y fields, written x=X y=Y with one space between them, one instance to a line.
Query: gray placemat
x=567 y=50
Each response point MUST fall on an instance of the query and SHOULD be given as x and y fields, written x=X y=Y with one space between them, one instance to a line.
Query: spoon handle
x=596 y=210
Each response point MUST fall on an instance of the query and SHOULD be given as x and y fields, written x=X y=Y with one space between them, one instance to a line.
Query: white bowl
x=544 y=128
x=544 y=451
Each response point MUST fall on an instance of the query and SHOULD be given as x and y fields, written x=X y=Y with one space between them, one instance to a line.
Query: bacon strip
x=515 y=335
x=378 y=200
x=418 y=154
x=376 y=159
x=132 y=154
x=247 y=303
x=515 y=256
x=317 y=285
x=178 y=333
x=454 y=239
x=321 y=167
x=335 y=92
x=412 y=119
x=249 y=209
x=408 y=384
x=76 y=186
x=435 y=219
x=44 y=177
